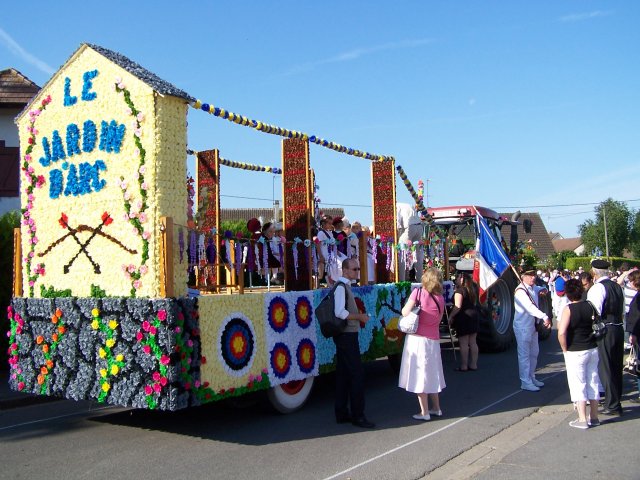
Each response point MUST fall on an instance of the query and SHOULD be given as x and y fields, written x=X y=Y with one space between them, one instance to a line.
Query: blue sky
x=508 y=105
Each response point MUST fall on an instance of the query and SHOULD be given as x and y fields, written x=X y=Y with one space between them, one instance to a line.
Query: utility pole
x=426 y=192
x=606 y=237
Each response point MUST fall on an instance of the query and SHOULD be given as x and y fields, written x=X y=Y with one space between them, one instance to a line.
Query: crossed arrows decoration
x=73 y=233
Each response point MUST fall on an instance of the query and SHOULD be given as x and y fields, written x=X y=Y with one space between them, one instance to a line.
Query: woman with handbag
x=464 y=318
x=421 y=369
x=580 y=351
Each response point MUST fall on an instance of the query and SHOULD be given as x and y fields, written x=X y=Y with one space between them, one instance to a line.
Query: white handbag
x=409 y=323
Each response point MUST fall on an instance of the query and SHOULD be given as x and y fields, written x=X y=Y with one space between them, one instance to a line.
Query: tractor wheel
x=496 y=321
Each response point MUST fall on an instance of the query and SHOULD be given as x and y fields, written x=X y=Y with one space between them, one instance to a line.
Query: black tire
x=496 y=319
x=546 y=306
x=290 y=397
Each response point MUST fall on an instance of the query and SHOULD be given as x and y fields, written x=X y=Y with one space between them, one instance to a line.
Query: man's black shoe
x=346 y=419
x=612 y=413
x=362 y=422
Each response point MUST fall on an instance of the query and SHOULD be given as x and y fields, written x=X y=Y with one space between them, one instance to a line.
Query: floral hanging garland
x=136 y=212
x=32 y=181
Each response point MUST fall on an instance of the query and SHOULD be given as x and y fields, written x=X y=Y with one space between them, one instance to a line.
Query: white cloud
x=20 y=52
x=356 y=53
x=579 y=17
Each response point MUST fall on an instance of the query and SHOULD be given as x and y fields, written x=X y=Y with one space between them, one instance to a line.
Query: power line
x=344 y=205
x=248 y=198
x=564 y=204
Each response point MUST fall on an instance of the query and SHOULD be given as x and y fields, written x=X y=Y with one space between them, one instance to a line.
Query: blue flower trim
x=87 y=85
x=69 y=99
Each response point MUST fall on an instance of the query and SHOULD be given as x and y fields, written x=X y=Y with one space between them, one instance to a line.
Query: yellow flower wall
x=215 y=313
x=171 y=174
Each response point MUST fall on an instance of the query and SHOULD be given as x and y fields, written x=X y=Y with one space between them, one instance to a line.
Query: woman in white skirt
x=580 y=355
x=421 y=368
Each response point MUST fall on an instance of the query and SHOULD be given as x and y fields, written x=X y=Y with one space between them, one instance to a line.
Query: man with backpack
x=349 y=369
x=608 y=299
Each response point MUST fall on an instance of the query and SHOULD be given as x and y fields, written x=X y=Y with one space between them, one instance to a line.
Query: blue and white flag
x=491 y=259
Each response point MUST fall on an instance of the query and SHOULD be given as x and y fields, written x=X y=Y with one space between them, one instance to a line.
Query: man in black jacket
x=608 y=299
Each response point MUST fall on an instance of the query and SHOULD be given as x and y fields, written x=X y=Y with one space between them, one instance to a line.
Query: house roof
x=555 y=236
x=563 y=244
x=539 y=236
x=235 y=214
x=15 y=88
x=159 y=85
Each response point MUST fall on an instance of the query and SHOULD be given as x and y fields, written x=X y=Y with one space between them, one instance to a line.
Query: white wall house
x=16 y=91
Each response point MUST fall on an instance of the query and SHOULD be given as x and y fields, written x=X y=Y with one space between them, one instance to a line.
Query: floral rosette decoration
x=135 y=208
x=278 y=314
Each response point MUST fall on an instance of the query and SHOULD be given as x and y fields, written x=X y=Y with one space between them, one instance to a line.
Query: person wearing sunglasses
x=349 y=400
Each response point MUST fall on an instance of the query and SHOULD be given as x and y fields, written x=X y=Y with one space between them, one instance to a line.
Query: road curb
x=491 y=451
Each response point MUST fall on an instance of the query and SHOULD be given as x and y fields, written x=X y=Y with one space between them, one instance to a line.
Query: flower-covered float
x=101 y=308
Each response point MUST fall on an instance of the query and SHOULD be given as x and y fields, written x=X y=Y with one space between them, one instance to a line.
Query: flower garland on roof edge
x=283 y=132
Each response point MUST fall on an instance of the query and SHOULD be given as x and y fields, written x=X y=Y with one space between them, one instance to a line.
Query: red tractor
x=496 y=324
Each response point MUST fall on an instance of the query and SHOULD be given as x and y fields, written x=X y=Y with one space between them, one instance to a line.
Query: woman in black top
x=580 y=354
x=464 y=318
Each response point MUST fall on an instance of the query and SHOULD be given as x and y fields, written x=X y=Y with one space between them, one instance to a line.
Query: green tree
x=558 y=260
x=634 y=235
x=618 y=220
x=235 y=226
x=8 y=222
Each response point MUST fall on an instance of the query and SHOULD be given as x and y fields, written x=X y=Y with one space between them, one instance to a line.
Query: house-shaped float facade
x=103 y=158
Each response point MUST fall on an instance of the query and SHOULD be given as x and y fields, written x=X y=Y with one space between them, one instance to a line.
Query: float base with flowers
x=170 y=354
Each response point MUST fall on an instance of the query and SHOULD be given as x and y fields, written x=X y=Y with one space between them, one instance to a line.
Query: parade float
x=121 y=297
x=127 y=292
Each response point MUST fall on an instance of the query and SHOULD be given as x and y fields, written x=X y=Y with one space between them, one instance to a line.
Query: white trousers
x=582 y=375
x=528 y=349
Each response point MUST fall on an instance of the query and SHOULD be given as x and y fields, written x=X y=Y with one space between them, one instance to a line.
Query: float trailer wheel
x=291 y=396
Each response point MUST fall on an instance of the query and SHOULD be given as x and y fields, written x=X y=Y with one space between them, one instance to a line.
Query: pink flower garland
x=32 y=181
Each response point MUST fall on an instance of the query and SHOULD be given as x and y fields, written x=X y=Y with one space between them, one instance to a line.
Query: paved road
x=491 y=430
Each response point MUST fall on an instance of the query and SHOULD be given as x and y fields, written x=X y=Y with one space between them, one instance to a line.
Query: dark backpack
x=330 y=325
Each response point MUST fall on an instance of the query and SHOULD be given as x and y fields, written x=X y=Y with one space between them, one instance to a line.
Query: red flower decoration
x=106 y=219
x=64 y=221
